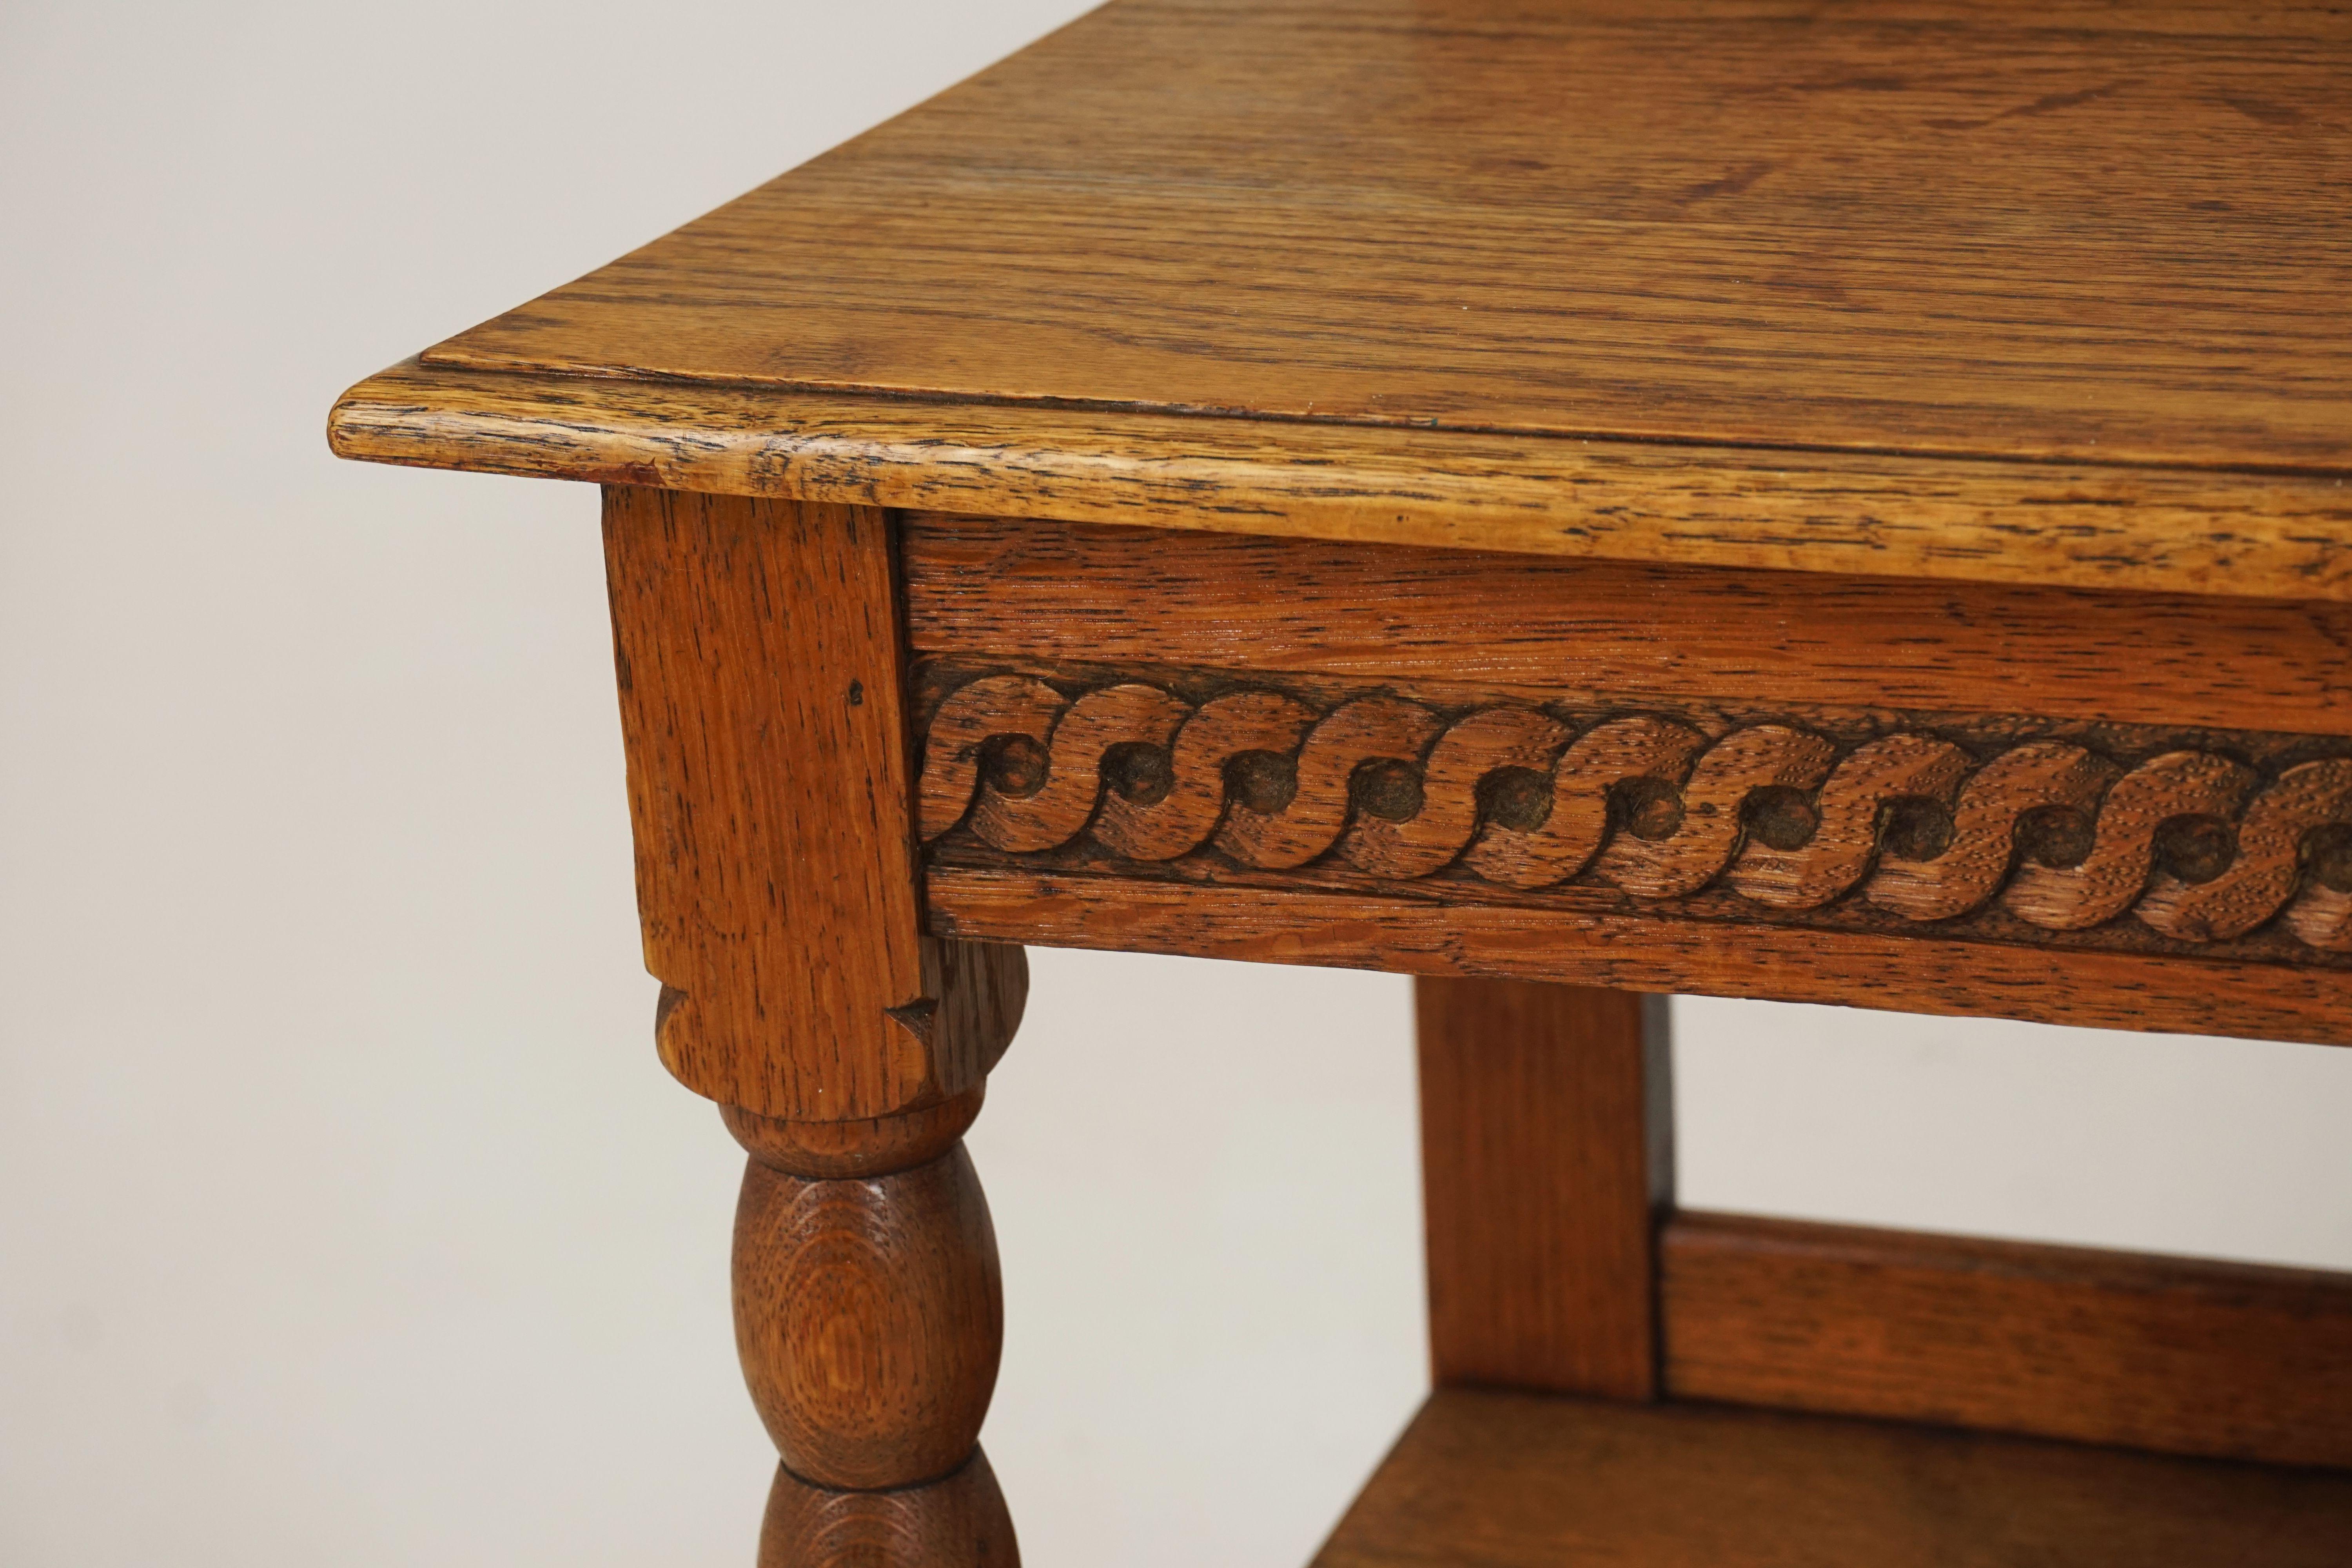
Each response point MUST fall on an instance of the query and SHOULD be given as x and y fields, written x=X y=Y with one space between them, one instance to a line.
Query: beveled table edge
x=2116 y=527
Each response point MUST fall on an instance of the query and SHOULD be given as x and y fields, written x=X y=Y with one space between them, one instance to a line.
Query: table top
x=2096 y=251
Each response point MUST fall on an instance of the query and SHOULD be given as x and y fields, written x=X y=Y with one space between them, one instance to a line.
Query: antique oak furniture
x=1574 y=502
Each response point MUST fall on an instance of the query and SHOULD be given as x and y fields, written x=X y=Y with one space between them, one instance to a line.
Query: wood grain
x=2080 y=231
x=1547 y=1121
x=1010 y=589
x=875 y=1147
x=869 y=1315
x=2189 y=1357
x=1507 y=1480
x=958 y=1521
x=2019 y=332
x=1402 y=934
x=758 y=652
x=2181 y=530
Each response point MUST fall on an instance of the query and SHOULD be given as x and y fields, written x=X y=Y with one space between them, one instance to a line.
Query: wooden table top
x=1695 y=280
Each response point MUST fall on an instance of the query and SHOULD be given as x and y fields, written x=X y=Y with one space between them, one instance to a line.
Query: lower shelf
x=1511 y=1481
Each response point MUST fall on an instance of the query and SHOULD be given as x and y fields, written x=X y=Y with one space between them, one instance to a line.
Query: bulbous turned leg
x=869 y=1315
x=760 y=651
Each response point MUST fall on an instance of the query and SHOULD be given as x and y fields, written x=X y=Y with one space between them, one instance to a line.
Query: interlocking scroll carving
x=1910 y=820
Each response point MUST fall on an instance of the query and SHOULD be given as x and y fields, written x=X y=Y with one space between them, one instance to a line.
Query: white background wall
x=345 y=1214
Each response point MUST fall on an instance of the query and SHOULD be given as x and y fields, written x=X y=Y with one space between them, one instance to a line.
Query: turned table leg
x=761 y=676
x=869 y=1315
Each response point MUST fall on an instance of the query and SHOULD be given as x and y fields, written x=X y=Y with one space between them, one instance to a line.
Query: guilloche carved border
x=2000 y=827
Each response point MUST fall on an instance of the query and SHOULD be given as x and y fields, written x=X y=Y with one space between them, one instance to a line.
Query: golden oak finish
x=875 y=1147
x=2077 y=230
x=2000 y=828
x=869 y=1314
x=1509 y=712
x=1505 y=1480
x=2184 y=531
x=1019 y=590
x=1546 y=1124
x=1282 y=918
x=1845 y=503
x=760 y=676
x=761 y=687
x=2218 y=1359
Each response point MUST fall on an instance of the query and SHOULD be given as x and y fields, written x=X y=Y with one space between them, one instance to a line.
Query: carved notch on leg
x=760 y=674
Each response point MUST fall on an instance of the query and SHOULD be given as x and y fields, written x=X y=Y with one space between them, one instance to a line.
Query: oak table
x=1574 y=502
